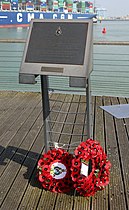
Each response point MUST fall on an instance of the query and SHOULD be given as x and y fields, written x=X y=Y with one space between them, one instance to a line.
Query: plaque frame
x=36 y=68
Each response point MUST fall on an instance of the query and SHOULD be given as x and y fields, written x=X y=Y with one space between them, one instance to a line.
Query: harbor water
x=115 y=31
x=110 y=74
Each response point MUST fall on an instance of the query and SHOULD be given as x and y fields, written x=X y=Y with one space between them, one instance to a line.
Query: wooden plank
x=47 y=200
x=11 y=105
x=14 y=128
x=123 y=144
x=18 y=139
x=22 y=175
x=116 y=196
x=18 y=155
x=15 y=116
x=5 y=98
x=64 y=201
x=100 y=200
x=81 y=203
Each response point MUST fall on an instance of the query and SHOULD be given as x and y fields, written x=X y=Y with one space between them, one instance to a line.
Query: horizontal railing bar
x=66 y=123
x=98 y=59
x=67 y=102
x=104 y=64
x=95 y=42
x=62 y=112
x=12 y=40
x=126 y=43
x=68 y=134
x=106 y=53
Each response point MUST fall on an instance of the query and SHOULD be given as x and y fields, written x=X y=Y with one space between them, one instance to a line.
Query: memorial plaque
x=57 y=43
x=58 y=47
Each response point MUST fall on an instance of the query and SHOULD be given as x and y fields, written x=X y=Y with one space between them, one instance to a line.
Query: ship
x=20 y=12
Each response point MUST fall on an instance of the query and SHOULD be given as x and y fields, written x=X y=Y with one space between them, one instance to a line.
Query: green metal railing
x=110 y=75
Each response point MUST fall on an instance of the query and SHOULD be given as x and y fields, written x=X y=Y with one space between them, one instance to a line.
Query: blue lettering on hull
x=7 y=18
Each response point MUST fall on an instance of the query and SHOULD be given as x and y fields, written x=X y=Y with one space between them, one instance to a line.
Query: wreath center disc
x=58 y=170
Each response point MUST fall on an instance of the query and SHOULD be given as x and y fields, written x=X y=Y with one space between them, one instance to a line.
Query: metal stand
x=46 y=111
x=46 y=57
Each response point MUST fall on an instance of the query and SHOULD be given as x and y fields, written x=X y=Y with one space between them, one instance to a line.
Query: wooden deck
x=22 y=142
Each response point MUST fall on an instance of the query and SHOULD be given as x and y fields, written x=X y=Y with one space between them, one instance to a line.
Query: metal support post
x=89 y=110
x=46 y=110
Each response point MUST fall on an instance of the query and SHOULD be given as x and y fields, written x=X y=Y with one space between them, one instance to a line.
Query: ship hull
x=8 y=18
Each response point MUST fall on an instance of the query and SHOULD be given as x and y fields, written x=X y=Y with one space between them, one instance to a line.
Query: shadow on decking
x=23 y=157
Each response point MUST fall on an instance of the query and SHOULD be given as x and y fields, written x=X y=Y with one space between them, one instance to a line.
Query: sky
x=114 y=7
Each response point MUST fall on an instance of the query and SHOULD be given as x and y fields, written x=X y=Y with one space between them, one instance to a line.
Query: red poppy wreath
x=54 y=170
x=90 y=168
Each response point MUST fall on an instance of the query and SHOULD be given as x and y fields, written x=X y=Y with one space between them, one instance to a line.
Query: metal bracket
x=27 y=78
